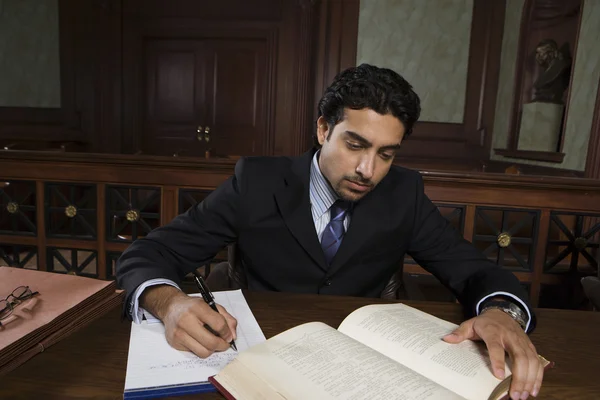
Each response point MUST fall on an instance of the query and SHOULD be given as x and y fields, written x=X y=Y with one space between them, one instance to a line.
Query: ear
x=322 y=130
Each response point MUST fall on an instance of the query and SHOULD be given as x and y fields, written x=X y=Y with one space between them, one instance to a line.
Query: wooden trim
x=483 y=71
x=515 y=115
x=19 y=239
x=101 y=265
x=116 y=247
x=540 y=256
x=31 y=115
x=349 y=33
x=470 y=220
x=301 y=124
x=592 y=164
x=78 y=244
x=41 y=225
x=525 y=277
x=202 y=173
x=168 y=206
x=548 y=156
x=337 y=38
x=528 y=169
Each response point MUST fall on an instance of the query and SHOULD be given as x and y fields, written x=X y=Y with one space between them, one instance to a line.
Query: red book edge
x=220 y=388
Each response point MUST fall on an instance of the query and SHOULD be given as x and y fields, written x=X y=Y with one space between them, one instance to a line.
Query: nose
x=366 y=166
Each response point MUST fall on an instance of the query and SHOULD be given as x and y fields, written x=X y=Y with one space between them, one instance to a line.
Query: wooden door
x=204 y=94
x=241 y=68
x=236 y=112
x=175 y=98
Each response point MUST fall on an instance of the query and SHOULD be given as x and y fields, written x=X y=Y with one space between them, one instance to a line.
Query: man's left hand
x=502 y=333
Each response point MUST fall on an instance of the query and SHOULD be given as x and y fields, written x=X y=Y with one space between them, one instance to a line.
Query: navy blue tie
x=334 y=231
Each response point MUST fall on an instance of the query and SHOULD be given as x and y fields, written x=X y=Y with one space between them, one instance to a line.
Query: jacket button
x=328 y=282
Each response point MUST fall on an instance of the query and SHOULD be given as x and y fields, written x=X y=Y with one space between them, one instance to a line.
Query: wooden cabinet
x=214 y=77
x=207 y=94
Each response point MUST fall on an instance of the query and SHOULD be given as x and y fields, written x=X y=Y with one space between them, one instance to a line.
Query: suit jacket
x=265 y=208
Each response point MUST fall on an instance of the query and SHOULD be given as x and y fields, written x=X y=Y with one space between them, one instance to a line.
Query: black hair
x=366 y=86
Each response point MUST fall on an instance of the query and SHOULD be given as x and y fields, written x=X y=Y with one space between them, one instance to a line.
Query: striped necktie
x=334 y=231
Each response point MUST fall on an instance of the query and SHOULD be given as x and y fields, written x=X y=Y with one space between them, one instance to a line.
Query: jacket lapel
x=293 y=201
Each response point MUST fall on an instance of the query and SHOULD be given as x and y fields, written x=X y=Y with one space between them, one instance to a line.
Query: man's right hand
x=185 y=318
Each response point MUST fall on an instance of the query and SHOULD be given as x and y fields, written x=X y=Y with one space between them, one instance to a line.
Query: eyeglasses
x=19 y=295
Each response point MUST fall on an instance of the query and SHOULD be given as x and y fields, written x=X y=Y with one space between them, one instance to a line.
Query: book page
x=315 y=361
x=414 y=338
x=152 y=362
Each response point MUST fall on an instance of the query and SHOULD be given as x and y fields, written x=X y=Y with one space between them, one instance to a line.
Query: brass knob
x=71 y=211
x=132 y=215
x=207 y=134
x=503 y=239
x=12 y=207
x=580 y=243
x=199 y=135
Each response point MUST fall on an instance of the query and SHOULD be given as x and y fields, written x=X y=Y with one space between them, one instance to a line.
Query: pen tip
x=233 y=346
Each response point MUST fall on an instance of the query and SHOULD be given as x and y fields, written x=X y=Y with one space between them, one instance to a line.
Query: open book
x=379 y=352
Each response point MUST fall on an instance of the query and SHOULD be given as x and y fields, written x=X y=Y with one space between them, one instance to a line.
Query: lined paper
x=152 y=362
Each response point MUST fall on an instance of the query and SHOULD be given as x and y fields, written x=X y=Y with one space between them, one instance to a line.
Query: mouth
x=359 y=187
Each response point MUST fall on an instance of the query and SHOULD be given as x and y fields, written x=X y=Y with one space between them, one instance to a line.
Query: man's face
x=359 y=152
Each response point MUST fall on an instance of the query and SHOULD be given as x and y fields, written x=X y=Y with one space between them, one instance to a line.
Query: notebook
x=65 y=303
x=155 y=369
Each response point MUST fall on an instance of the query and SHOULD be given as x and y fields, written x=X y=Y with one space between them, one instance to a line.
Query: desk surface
x=91 y=363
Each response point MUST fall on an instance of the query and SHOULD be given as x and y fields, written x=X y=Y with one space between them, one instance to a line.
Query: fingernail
x=535 y=391
x=451 y=335
x=515 y=396
x=500 y=374
x=524 y=395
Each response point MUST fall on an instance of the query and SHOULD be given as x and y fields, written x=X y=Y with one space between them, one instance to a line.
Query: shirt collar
x=322 y=196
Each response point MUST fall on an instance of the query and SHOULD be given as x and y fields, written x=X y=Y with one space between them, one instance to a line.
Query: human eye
x=388 y=155
x=354 y=145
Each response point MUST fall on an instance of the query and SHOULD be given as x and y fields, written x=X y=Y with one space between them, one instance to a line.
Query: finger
x=497 y=357
x=216 y=321
x=186 y=342
x=205 y=337
x=538 y=380
x=520 y=371
x=533 y=369
x=463 y=332
x=231 y=321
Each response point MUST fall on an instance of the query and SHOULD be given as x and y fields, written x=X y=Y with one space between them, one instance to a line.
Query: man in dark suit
x=336 y=220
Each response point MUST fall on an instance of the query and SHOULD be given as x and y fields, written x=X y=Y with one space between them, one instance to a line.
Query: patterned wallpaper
x=586 y=74
x=427 y=42
x=29 y=53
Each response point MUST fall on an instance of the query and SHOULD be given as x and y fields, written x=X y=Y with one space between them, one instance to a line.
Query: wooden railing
x=75 y=213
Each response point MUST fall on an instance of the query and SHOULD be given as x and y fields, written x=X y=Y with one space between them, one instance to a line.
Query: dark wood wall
x=141 y=78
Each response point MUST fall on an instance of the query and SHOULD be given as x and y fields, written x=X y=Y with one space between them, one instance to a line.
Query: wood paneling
x=142 y=178
x=592 y=163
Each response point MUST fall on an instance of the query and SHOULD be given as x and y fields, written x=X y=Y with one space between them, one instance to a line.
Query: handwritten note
x=152 y=362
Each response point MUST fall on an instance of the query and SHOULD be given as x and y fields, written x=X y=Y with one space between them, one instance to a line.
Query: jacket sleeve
x=189 y=241
x=441 y=250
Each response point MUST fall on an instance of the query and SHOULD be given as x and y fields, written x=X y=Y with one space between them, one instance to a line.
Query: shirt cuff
x=137 y=313
x=511 y=296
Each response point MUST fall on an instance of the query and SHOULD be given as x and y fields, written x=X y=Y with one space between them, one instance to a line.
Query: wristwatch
x=508 y=307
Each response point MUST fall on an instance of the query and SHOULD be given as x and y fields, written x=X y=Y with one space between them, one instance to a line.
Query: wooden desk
x=92 y=362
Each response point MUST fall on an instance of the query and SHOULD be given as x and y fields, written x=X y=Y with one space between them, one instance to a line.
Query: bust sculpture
x=552 y=82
